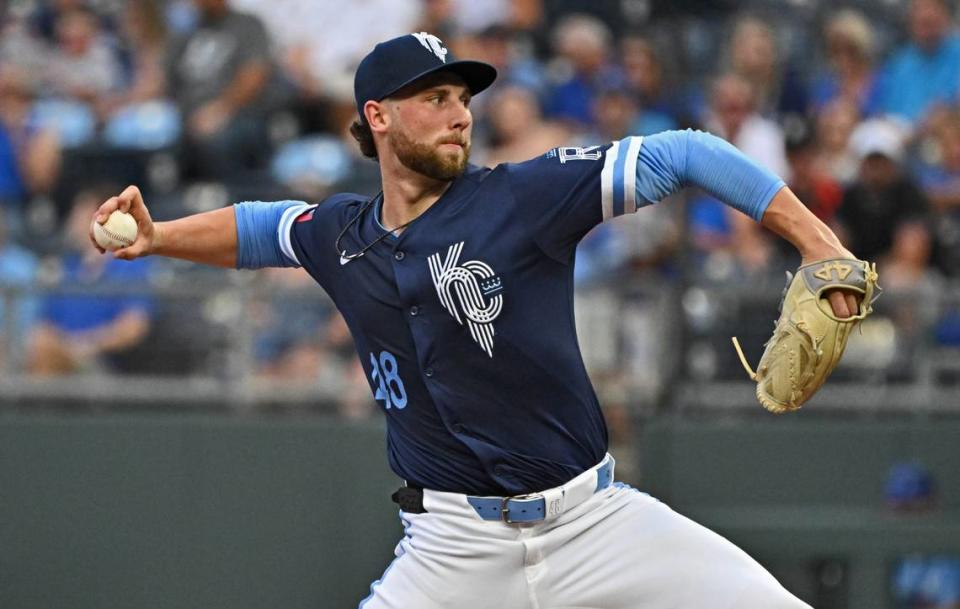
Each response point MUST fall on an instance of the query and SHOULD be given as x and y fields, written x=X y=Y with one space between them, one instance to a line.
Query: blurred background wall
x=176 y=436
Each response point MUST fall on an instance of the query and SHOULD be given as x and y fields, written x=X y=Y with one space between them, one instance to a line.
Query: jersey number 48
x=386 y=380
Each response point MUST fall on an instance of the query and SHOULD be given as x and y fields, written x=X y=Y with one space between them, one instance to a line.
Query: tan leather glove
x=809 y=339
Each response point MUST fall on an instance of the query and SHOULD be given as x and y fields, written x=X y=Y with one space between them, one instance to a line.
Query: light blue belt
x=528 y=508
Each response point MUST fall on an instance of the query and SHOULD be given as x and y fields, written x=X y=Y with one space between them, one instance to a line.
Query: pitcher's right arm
x=239 y=236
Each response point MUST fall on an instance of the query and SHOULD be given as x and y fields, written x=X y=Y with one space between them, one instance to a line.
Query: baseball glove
x=809 y=339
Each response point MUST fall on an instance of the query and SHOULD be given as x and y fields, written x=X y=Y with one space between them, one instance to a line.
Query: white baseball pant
x=617 y=549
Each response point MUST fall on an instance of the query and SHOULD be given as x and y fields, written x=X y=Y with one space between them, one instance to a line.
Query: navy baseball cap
x=396 y=63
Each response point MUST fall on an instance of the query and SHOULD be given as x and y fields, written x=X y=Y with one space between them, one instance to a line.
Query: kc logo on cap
x=398 y=62
x=432 y=44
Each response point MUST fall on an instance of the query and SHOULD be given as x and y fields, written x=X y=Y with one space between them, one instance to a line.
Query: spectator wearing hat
x=883 y=204
x=887 y=218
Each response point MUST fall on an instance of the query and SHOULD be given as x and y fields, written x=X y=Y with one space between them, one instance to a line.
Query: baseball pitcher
x=457 y=284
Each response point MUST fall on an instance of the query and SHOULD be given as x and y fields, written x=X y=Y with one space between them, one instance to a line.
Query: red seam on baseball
x=115 y=236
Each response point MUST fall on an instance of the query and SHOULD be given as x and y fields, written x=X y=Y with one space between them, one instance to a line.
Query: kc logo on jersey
x=473 y=289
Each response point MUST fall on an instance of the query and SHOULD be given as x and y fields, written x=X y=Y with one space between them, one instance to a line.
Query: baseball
x=119 y=231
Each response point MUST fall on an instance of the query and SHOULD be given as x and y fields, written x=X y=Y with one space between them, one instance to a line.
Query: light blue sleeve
x=671 y=160
x=263 y=233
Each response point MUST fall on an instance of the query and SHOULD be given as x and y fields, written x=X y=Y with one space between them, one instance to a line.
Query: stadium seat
x=149 y=126
x=74 y=122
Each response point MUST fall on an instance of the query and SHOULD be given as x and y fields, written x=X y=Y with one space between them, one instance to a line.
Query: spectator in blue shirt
x=850 y=74
x=79 y=332
x=926 y=71
x=29 y=153
x=583 y=43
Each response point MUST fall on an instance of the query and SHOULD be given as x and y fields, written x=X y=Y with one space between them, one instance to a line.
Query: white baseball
x=120 y=230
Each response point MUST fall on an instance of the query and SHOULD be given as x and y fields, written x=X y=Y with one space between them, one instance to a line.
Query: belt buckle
x=505 y=511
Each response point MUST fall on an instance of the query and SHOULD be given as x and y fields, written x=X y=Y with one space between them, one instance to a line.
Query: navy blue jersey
x=464 y=322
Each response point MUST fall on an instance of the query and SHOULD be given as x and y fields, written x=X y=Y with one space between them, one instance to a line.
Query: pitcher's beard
x=427 y=159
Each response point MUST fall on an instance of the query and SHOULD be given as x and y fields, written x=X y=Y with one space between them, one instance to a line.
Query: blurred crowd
x=207 y=102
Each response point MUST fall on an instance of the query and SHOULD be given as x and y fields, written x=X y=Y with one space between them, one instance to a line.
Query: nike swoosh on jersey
x=343 y=260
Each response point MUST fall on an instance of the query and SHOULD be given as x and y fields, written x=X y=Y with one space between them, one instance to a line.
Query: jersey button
x=414 y=310
x=398 y=255
x=428 y=372
x=458 y=428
